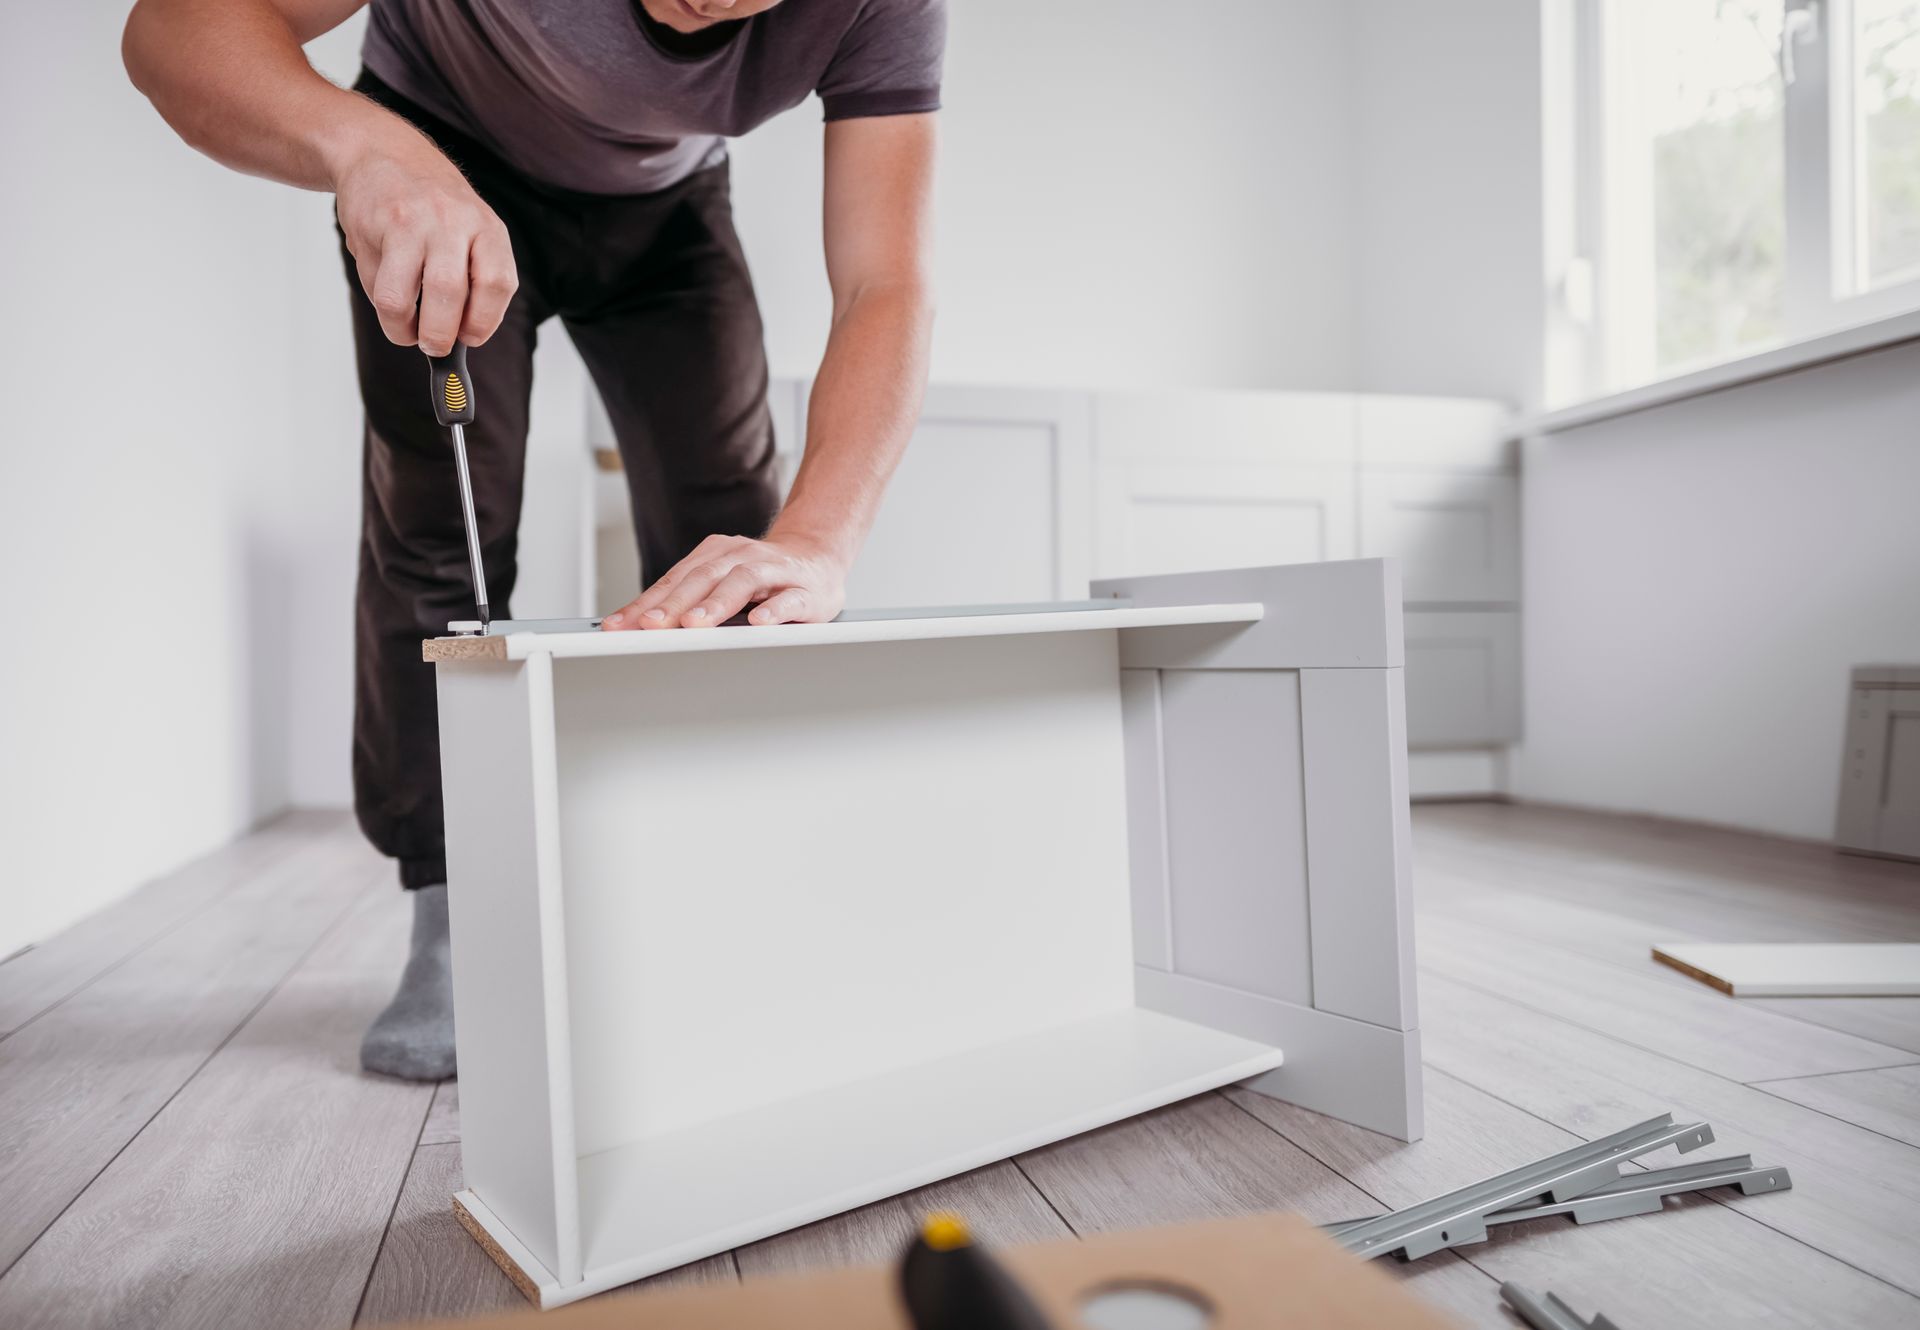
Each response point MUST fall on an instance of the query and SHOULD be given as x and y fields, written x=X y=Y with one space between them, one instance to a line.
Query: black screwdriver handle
x=948 y=1283
x=452 y=387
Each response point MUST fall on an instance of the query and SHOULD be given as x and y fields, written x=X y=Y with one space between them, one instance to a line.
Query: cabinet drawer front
x=1463 y=678
x=1176 y=518
x=1457 y=536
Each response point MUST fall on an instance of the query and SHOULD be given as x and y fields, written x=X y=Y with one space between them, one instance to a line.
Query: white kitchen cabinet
x=1401 y=433
x=1008 y=495
x=1220 y=480
x=1177 y=517
x=991 y=504
x=1463 y=678
x=668 y=1055
x=1456 y=534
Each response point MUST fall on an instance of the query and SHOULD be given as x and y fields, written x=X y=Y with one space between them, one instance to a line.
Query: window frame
x=1594 y=346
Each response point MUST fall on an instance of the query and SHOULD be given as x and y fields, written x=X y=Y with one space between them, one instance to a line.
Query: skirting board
x=1457 y=773
x=765 y=1171
x=1799 y=969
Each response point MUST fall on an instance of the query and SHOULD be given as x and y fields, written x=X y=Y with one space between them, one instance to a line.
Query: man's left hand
x=785 y=579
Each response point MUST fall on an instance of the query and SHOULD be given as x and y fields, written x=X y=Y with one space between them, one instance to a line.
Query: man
x=504 y=161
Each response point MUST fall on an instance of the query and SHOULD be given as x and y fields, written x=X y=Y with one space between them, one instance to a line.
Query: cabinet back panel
x=705 y=866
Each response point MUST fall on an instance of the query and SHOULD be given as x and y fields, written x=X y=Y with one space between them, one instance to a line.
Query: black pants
x=654 y=291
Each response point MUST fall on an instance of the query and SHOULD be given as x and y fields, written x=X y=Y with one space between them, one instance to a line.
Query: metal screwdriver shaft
x=452 y=390
x=473 y=524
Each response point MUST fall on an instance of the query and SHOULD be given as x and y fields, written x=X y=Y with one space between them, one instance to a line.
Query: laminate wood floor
x=185 y=1139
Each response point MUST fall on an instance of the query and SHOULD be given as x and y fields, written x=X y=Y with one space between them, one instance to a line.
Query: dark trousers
x=654 y=291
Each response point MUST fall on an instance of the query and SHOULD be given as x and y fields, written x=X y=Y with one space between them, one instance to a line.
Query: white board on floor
x=1799 y=969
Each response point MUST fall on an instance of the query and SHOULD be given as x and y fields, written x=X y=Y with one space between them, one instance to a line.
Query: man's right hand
x=433 y=258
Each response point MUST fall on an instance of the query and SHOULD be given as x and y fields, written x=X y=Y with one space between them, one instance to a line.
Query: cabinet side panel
x=1236 y=830
x=516 y=1148
x=1146 y=816
x=1353 y=726
x=1347 y=1069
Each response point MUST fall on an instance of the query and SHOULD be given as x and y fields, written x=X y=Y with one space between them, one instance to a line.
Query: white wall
x=147 y=399
x=1701 y=578
x=1447 y=235
x=1129 y=196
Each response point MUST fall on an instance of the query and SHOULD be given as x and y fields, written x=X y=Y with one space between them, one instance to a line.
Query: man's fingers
x=493 y=279
x=645 y=611
x=396 y=288
x=443 y=296
x=683 y=607
x=789 y=606
x=731 y=594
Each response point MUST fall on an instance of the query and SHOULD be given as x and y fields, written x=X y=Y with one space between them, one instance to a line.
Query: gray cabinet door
x=1463 y=678
x=1880 y=773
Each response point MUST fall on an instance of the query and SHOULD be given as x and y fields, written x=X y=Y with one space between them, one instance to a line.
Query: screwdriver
x=948 y=1283
x=452 y=390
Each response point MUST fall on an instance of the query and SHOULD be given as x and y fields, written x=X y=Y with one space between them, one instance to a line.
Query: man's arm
x=230 y=77
x=879 y=206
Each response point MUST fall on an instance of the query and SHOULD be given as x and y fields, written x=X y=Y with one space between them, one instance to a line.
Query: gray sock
x=413 y=1037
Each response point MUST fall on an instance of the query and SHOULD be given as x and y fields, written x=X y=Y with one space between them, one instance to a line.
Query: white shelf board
x=741 y=1178
x=749 y=637
x=1799 y=969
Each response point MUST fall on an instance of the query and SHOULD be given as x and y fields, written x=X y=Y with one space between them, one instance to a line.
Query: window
x=1883 y=124
x=1744 y=173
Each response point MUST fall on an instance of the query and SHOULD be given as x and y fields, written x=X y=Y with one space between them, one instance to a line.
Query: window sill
x=1839 y=345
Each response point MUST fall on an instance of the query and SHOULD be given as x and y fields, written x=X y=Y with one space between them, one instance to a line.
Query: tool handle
x=452 y=387
x=947 y=1283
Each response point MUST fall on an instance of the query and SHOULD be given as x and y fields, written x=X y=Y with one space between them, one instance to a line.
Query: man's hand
x=786 y=579
x=433 y=259
x=230 y=76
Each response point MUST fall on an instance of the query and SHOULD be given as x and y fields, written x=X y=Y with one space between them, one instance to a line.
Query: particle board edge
x=518 y=1277
x=1693 y=972
x=435 y=649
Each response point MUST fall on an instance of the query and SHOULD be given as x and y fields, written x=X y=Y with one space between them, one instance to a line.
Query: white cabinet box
x=754 y=925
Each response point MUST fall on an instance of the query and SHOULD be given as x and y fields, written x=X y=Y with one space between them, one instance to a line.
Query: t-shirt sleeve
x=889 y=61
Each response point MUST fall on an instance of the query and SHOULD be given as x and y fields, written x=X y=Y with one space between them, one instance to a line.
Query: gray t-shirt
x=589 y=95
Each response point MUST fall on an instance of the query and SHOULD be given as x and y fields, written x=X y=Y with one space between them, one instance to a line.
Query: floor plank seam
x=1512 y=1001
x=1302 y=1149
x=1647 y=969
x=1351 y=1182
x=167 y=932
x=1814 y=1108
x=1822 y=1075
x=353 y=903
x=1727 y=1204
x=1041 y=1192
x=386 y=1230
